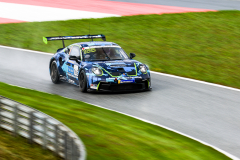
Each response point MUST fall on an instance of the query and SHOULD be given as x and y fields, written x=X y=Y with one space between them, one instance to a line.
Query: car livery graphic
x=97 y=66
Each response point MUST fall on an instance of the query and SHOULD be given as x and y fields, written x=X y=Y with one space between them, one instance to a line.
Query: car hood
x=119 y=68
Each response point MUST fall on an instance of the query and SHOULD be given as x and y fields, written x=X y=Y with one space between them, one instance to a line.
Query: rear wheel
x=82 y=81
x=54 y=72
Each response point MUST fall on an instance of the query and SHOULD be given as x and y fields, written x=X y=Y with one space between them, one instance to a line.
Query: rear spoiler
x=46 y=39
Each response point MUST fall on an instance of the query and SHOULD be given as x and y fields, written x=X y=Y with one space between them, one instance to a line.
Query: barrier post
x=56 y=131
x=15 y=121
x=65 y=145
x=70 y=148
x=74 y=150
x=31 y=127
x=0 y=111
x=44 y=133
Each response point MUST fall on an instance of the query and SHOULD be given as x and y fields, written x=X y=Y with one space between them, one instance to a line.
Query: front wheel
x=54 y=72
x=82 y=81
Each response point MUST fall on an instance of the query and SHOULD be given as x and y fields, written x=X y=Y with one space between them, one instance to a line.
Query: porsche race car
x=97 y=66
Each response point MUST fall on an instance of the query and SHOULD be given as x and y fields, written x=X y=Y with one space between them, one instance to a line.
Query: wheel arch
x=50 y=63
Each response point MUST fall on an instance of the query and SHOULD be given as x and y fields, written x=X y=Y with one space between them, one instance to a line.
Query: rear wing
x=46 y=39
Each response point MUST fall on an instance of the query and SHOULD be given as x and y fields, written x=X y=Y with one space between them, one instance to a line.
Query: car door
x=71 y=67
x=74 y=65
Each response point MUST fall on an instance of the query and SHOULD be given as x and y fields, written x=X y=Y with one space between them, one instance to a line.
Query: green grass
x=110 y=135
x=17 y=148
x=202 y=46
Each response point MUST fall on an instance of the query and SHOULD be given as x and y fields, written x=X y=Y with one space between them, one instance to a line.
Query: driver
x=100 y=54
x=112 y=54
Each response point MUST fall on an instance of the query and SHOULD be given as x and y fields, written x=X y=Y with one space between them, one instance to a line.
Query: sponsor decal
x=75 y=70
x=137 y=77
x=122 y=78
x=110 y=79
x=70 y=70
x=70 y=61
x=126 y=81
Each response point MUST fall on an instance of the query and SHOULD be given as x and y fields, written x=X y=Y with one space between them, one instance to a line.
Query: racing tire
x=54 y=72
x=82 y=81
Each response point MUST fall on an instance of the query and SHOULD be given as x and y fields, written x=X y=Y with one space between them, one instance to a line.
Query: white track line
x=197 y=81
x=144 y=120
x=33 y=13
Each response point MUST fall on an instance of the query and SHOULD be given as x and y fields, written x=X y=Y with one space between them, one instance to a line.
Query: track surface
x=205 y=112
x=203 y=4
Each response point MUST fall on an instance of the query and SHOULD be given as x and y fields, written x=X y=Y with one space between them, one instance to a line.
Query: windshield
x=103 y=53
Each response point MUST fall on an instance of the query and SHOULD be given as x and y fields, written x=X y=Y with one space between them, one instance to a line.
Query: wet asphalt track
x=201 y=4
x=205 y=112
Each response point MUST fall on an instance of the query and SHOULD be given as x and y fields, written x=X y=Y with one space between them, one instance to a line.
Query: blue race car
x=97 y=66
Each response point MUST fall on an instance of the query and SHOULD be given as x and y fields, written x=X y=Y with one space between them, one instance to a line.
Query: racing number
x=89 y=50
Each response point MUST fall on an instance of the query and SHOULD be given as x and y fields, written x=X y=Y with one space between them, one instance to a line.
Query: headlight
x=97 y=71
x=142 y=68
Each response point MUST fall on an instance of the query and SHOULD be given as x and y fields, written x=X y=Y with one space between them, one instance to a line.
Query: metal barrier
x=40 y=128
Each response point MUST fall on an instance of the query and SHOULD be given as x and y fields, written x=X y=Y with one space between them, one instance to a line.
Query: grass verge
x=110 y=135
x=17 y=148
x=202 y=46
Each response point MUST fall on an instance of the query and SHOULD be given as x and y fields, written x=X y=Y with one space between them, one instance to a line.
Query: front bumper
x=120 y=83
x=120 y=87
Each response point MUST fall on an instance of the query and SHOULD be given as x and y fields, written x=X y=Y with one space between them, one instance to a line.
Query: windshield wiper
x=100 y=60
x=106 y=54
x=117 y=59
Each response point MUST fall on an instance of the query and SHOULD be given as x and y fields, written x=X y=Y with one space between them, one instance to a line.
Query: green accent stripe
x=98 y=85
x=109 y=73
x=135 y=70
x=121 y=75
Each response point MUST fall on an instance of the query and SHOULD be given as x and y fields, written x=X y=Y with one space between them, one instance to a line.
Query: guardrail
x=40 y=128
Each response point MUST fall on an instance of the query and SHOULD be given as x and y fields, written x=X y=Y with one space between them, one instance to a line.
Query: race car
x=97 y=66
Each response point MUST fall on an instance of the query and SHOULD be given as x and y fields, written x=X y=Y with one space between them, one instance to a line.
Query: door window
x=75 y=51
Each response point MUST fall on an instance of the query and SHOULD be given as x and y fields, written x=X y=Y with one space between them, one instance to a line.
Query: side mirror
x=132 y=55
x=74 y=58
x=67 y=50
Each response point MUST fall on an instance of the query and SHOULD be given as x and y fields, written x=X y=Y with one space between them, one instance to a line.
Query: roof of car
x=97 y=43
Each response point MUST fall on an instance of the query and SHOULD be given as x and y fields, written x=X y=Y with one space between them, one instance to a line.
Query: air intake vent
x=118 y=65
x=133 y=72
x=115 y=73
x=121 y=70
